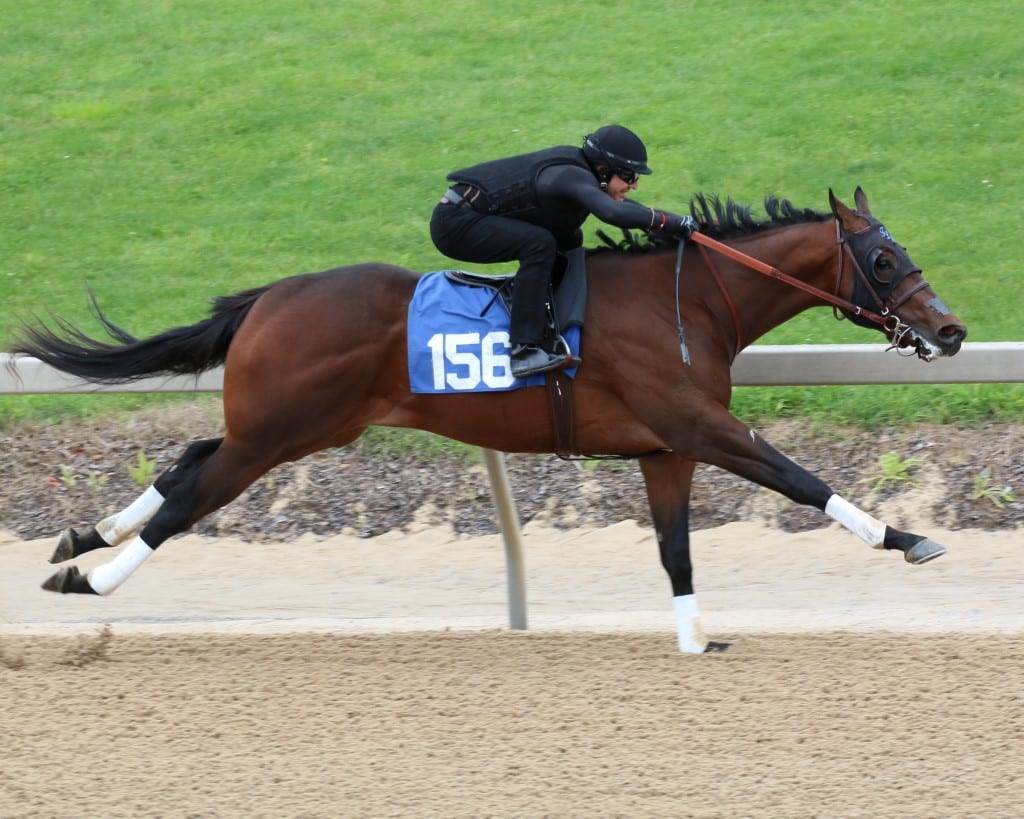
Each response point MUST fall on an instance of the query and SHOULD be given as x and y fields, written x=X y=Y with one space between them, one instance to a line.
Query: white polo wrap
x=117 y=527
x=691 y=635
x=869 y=529
x=108 y=576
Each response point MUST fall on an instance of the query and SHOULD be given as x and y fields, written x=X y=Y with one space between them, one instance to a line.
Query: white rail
x=760 y=365
x=982 y=362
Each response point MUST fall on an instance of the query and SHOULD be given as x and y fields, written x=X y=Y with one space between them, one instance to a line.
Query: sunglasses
x=627 y=176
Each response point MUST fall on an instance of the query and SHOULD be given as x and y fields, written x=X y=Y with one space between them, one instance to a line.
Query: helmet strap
x=603 y=172
x=602 y=168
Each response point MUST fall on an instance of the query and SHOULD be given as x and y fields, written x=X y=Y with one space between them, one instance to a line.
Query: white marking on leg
x=127 y=522
x=108 y=576
x=691 y=635
x=869 y=529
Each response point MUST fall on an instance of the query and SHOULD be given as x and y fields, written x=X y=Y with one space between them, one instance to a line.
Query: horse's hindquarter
x=325 y=346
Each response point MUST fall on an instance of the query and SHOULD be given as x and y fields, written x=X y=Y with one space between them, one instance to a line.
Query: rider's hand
x=681 y=227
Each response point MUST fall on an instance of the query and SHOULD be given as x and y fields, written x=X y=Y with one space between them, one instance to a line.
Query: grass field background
x=169 y=152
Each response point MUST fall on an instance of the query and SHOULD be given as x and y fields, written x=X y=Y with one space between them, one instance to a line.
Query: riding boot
x=529 y=359
x=528 y=323
x=529 y=298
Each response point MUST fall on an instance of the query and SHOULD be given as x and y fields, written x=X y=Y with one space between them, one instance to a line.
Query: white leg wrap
x=691 y=635
x=869 y=529
x=117 y=527
x=108 y=576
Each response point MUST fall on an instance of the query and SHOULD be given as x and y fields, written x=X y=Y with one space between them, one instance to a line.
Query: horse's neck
x=806 y=252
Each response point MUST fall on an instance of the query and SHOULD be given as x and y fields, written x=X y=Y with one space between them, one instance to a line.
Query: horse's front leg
x=669 y=479
x=917 y=549
x=116 y=528
x=739 y=450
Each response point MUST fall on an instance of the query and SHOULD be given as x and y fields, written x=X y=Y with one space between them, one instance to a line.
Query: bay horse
x=310 y=361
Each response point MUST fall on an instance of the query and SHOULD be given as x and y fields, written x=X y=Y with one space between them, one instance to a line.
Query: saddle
x=568 y=300
x=566 y=307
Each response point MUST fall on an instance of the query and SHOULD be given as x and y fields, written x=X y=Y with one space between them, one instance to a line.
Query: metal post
x=508 y=519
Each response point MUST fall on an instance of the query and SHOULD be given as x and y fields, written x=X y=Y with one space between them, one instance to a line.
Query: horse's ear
x=861 y=199
x=847 y=218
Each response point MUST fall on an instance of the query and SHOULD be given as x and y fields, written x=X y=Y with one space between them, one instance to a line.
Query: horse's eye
x=884 y=269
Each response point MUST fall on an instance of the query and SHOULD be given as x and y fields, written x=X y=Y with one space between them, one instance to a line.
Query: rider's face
x=618 y=189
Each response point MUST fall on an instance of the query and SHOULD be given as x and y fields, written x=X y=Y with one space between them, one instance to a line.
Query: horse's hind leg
x=116 y=528
x=213 y=482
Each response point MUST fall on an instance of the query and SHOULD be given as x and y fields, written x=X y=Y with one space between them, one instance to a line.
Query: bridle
x=886 y=302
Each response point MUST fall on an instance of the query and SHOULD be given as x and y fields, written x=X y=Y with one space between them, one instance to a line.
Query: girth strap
x=563 y=421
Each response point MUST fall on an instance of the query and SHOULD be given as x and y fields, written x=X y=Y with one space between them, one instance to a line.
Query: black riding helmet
x=618 y=148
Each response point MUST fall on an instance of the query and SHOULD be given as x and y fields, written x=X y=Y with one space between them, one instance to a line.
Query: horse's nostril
x=952 y=335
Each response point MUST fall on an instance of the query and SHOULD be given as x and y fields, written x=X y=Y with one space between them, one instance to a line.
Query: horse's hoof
x=716 y=648
x=61 y=581
x=68 y=581
x=923 y=551
x=65 y=547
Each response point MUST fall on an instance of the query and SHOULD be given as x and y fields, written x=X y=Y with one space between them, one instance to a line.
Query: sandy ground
x=749 y=578
x=349 y=677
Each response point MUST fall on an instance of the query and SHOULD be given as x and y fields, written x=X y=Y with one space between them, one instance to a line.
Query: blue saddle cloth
x=455 y=345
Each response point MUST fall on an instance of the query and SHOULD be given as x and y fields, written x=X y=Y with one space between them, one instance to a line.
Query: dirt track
x=855 y=686
x=504 y=724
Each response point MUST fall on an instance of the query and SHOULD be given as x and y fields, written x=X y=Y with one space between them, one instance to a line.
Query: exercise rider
x=530 y=207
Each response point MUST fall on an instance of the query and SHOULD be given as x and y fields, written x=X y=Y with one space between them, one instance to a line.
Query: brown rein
x=885 y=319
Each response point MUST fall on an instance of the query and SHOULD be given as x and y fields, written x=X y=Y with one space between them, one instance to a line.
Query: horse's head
x=885 y=280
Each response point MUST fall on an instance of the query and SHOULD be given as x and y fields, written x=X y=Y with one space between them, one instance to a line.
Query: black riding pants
x=461 y=233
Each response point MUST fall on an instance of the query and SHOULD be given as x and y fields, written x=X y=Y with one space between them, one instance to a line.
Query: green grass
x=166 y=153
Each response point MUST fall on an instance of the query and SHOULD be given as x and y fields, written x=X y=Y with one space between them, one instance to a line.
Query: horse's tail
x=181 y=351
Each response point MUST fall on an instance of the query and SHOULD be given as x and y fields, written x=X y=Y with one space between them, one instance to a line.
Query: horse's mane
x=721 y=220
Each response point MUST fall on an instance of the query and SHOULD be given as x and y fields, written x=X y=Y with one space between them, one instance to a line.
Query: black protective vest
x=509 y=184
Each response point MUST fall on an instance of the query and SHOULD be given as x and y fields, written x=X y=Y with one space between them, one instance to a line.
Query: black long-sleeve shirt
x=555 y=188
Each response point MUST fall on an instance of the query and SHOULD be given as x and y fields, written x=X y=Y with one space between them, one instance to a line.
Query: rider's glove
x=680 y=227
